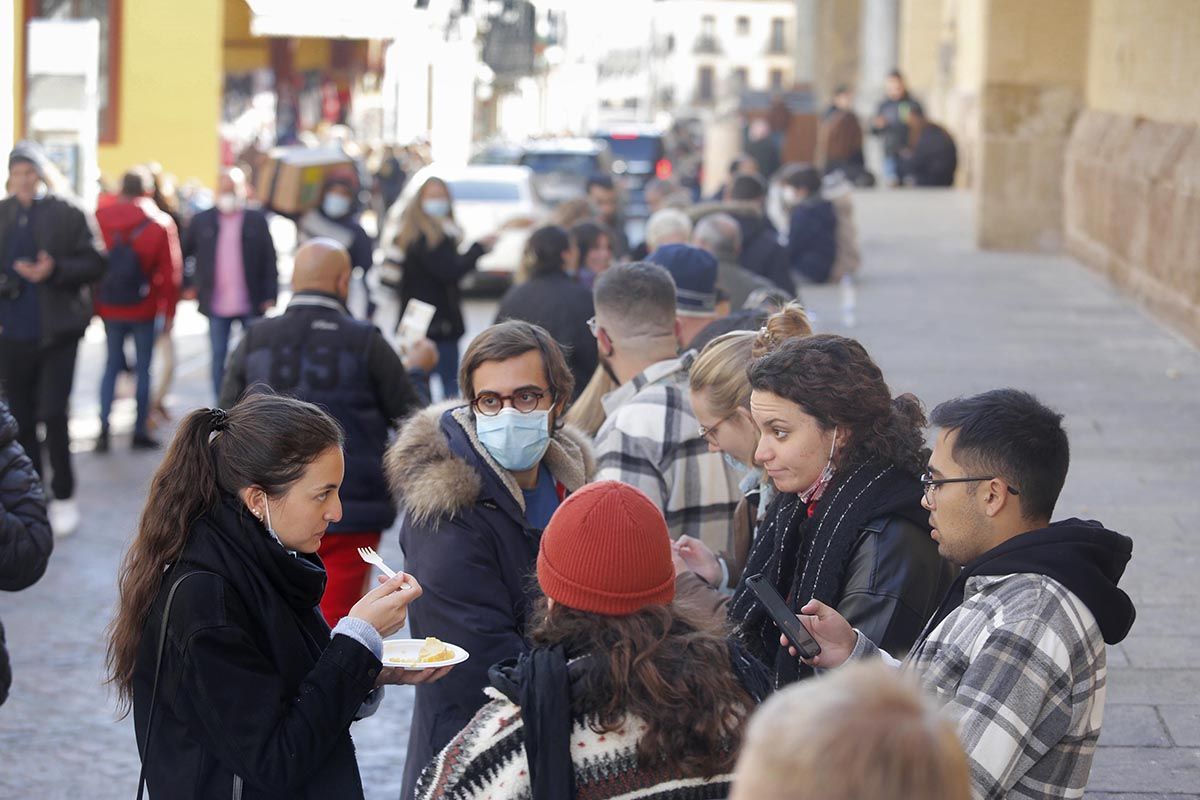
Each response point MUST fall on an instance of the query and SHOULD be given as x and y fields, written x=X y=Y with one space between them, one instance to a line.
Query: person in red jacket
x=131 y=302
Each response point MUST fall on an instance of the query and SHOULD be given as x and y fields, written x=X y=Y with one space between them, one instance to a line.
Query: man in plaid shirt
x=1016 y=650
x=650 y=438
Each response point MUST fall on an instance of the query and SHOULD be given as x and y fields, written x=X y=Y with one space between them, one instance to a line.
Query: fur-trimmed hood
x=434 y=470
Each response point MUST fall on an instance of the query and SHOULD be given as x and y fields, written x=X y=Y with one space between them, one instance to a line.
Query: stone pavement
x=941 y=319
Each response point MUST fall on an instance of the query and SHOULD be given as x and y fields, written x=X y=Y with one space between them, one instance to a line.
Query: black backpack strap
x=162 y=641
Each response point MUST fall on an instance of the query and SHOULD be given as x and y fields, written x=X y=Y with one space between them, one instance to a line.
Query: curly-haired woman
x=625 y=693
x=847 y=527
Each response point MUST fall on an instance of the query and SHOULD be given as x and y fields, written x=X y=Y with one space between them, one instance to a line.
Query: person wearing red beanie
x=617 y=671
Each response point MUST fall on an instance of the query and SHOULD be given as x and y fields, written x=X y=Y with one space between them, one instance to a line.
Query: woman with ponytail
x=847 y=526
x=237 y=686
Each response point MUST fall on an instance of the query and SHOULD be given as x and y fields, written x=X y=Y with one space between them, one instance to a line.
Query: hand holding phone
x=784 y=617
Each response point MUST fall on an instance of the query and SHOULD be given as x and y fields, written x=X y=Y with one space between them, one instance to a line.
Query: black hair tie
x=218 y=419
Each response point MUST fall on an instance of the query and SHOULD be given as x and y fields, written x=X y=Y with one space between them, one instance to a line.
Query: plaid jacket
x=651 y=440
x=1021 y=666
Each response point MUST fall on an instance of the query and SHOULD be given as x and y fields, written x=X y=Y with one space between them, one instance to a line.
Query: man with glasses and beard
x=1016 y=650
x=477 y=481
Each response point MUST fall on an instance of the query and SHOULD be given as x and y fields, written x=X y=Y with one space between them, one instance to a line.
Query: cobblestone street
x=940 y=317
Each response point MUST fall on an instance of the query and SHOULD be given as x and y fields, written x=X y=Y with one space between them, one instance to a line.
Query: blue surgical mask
x=517 y=441
x=335 y=205
x=735 y=465
x=436 y=208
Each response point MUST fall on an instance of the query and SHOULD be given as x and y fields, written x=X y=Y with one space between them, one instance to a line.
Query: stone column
x=877 y=57
x=807 y=45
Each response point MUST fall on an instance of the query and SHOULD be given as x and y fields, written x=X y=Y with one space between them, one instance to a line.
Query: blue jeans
x=447 y=366
x=143 y=343
x=218 y=336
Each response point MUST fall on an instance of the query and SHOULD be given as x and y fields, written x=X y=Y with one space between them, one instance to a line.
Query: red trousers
x=347 y=581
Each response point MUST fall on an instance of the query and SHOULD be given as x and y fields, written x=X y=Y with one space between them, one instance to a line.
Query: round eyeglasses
x=708 y=433
x=525 y=401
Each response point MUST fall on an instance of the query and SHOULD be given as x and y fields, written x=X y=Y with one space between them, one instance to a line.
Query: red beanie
x=607 y=551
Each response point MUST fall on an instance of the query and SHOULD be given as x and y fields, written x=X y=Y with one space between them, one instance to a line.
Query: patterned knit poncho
x=486 y=761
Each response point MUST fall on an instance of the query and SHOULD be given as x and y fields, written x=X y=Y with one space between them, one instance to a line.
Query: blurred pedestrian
x=595 y=251
x=139 y=292
x=861 y=732
x=605 y=202
x=651 y=438
x=337 y=217
x=891 y=123
x=428 y=243
x=1016 y=650
x=554 y=299
x=848 y=523
x=232 y=267
x=812 y=224
x=694 y=273
x=719 y=391
x=51 y=253
x=477 y=484
x=389 y=179
x=761 y=251
x=763 y=147
x=931 y=158
x=720 y=236
x=25 y=536
x=668 y=226
x=840 y=140
x=318 y=352
x=169 y=201
x=235 y=681
x=625 y=692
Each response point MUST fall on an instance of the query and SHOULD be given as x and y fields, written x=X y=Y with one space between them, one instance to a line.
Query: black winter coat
x=465 y=538
x=934 y=159
x=253 y=691
x=812 y=239
x=72 y=238
x=762 y=253
x=258 y=258
x=433 y=276
x=562 y=305
x=25 y=537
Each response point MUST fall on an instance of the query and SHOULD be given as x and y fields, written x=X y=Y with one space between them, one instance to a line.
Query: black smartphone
x=784 y=617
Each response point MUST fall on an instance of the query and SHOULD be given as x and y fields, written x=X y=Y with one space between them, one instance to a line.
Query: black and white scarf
x=806 y=557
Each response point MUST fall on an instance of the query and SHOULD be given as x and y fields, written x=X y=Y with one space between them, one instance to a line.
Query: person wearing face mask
x=229 y=266
x=552 y=297
x=318 y=352
x=720 y=393
x=336 y=218
x=236 y=684
x=477 y=483
x=847 y=526
x=812 y=235
x=426 y=251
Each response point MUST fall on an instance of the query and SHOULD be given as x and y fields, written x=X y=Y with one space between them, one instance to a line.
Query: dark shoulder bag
x=162 y=641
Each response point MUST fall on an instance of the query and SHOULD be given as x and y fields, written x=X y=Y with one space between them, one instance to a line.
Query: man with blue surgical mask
x=477 y=481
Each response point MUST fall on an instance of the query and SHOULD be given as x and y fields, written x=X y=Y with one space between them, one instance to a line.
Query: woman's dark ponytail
x=265 y=440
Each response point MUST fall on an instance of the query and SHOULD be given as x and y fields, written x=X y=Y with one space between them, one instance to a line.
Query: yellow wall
x=1143 y=59
x=243 y=52
x=1037 y=41
x=18 y=56
x=171 y=83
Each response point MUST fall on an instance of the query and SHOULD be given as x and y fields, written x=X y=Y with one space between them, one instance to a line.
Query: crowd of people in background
x=648 y=433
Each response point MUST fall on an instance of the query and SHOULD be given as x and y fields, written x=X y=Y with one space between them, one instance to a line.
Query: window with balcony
x=743 y=26
x=778 y=42
x=705 y=85
x=776 y=79
x=706 y=42
x=741 y=77
x=108 y=12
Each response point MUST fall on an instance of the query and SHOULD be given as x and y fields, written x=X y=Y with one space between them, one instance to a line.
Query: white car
x=486 y=198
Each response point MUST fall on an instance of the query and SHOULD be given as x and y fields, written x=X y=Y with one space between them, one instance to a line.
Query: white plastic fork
x=369 y=555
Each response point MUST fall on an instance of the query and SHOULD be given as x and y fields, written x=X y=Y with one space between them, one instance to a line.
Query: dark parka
x=432 y=274
x=25 y=537
x=465 y=538
x=254 y=695
x=258 y=258
x=761 y=252
x=72 y=238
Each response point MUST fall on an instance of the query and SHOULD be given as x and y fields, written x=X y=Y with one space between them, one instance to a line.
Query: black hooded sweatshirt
x=1082 y=555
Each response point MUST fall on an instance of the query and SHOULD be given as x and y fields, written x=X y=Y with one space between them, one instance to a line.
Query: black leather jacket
x=893 y=584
